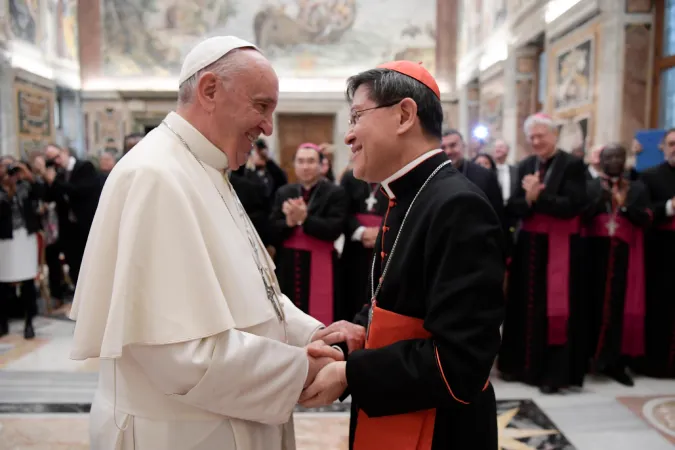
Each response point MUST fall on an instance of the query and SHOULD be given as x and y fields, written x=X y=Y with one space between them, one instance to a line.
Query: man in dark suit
x=453 y=146
x=74 y=186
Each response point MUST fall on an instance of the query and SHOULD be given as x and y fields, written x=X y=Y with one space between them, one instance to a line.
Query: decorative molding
x=491 y=72
x=572 y=18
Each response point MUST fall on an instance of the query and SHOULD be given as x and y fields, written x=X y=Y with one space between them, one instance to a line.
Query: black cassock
x=251 y=192
x=543 y=341
x=614 y=270
x=367 y=205
x=306 y=260
x=446 y=277
x=660 y=269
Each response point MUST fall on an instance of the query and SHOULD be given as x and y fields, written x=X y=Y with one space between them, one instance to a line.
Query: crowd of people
x=203 y=264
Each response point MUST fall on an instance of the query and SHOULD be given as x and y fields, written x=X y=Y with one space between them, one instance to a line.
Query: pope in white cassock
x=177 y=296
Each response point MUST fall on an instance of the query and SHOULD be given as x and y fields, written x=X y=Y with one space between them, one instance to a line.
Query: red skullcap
x=310 y=145
x=413 y=70
x=542 y=115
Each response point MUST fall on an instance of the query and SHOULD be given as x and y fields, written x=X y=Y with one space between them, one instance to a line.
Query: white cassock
x=172 y=301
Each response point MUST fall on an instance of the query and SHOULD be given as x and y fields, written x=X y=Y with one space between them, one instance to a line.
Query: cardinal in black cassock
x=367 y=206
x=306 y=219
x=422 y=382
x=614 y=225
x=543 y=339
x=660 y=265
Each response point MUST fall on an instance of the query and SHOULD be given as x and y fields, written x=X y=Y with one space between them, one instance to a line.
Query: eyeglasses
x=356 y=115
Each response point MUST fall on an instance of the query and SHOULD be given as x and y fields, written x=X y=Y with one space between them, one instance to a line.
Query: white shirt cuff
x=670 y=210
x=358 y=234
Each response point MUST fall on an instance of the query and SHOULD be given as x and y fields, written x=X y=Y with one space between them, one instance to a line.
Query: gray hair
x=539 y=119
x=225 y=67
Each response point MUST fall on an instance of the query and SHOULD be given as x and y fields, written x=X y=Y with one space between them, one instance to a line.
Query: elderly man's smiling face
x=372 y=136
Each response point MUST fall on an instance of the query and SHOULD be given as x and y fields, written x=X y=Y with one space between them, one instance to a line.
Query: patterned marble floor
x=44 y=397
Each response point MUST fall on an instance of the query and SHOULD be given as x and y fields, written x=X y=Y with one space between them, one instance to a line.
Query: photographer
x=19 y=224
x=74 y=186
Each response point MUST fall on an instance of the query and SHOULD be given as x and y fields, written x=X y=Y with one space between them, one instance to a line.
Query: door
x=296 y=129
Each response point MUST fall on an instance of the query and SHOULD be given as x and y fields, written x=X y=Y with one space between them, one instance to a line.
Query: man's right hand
x=369 y=237
x=320 y=355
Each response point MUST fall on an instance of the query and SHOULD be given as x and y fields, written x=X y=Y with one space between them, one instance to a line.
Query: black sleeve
x=517 y=206
x=351 y=223
x=658 y=207
x=597 y=201
x=465 y=307
x=88 y=183
x=277 y=229
x=330 y=226
x=361 y=317
x=571 y=200
x=637 y=205
x=494 y=195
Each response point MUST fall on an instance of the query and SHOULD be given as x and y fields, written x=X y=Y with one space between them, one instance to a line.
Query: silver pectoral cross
x=370 y=202
x=612 y=226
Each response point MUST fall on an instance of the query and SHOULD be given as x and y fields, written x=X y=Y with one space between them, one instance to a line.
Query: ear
x=206 y=90
x=408 y=115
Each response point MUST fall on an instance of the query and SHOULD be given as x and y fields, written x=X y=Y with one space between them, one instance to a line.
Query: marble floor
x=44 y=399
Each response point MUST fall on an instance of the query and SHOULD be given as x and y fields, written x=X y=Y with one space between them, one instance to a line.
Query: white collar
x=407 y=168
x=203 y=148
x=71 y=164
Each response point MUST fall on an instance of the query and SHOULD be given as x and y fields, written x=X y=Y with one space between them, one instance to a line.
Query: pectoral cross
x=370 y=202
x=612 y=225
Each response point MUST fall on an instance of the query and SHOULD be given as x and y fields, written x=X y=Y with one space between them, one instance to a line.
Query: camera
x=50 y=163
x=13 y=169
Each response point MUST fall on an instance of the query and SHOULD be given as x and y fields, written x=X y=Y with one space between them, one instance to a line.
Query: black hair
x=453 y=132
x=615 y=146
x=493 y=165
x=388 y=87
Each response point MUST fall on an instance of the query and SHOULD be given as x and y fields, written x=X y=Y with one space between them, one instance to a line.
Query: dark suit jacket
x=79 y=192
x=487 y=182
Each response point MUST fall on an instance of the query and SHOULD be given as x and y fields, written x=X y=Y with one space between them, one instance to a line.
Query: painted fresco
x=67 y=30
x=574 y=134
x=25 y=20
x=302 y=38
x=34 y=117
x=574 y=76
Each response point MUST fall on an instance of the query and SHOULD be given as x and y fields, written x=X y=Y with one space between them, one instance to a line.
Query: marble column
x=473 y=108
x=525 y=74
x=510 y=105
x=609 y=80
x=8 y=142
x=446 y=41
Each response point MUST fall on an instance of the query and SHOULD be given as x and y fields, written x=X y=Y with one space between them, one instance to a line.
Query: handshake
x=327 y=377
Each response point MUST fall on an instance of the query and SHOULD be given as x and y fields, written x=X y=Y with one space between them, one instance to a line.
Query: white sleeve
x=234 y=374
x=670 y=209
x=358 y=234
x=301 y=326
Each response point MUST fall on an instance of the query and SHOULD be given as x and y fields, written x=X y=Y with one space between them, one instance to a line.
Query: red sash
x=411 y=431
x=632 y=341
x=558 y=270
x=369 y=220
x=668 y=226
x=321 y=273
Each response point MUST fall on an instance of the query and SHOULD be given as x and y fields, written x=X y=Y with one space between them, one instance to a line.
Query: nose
x=350 y=137
x=267 y=126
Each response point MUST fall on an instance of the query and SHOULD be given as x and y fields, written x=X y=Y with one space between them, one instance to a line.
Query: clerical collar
x=413 y=174
x=202 y=148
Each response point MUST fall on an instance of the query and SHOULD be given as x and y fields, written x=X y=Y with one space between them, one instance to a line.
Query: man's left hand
x=328 y=386
x=343 y=331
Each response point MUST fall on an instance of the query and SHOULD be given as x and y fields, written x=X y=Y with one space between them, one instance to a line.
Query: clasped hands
x=295 y=210
x=327 y=377
x=533 y=187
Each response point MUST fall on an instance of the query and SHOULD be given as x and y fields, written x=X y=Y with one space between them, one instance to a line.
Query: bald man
x=198 y=347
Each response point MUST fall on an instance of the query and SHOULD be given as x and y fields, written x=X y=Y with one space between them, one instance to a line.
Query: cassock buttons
x=383 y=255
x=385 y=229
x=392 y=203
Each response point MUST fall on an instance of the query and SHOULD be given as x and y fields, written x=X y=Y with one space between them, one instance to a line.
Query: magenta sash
x=558 y=270
x=668 y=226
x=369 y=220
x=633 y=335
x=321 y=273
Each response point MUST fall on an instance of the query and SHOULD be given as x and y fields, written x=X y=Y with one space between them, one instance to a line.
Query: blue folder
x=651 y=154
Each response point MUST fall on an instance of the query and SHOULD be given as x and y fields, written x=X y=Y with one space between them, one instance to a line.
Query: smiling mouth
x=252 y=137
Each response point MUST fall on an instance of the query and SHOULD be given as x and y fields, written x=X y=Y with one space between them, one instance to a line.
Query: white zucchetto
x=209 y=51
